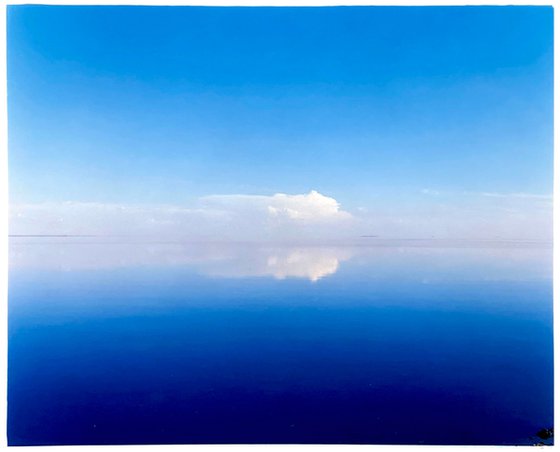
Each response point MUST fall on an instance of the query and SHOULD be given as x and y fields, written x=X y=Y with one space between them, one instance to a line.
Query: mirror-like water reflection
x=116 y=342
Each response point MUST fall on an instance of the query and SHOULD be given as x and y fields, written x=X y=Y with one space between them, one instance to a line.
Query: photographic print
x=280 y=225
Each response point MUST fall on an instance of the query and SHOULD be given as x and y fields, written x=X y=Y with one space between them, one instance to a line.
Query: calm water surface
x=404 y=343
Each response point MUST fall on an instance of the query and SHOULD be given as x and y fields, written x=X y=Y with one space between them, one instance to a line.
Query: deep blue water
x=133 y=343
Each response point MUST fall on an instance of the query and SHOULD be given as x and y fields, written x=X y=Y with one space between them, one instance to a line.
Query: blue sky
x=372 y=106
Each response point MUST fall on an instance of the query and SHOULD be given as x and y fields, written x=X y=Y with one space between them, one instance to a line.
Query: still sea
x=372 y=342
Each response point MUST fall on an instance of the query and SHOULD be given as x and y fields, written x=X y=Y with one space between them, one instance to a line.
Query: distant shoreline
x=51 y=235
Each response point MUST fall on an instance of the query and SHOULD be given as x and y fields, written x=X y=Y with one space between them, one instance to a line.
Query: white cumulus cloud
x=311 y=207
x=307 y=208
x=217 y=217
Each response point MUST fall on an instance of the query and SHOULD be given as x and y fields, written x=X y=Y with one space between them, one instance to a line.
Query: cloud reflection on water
x=211 y=259
x=421 y=261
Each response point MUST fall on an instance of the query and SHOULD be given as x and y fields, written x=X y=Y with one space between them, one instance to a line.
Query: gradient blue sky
x=373 y=106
